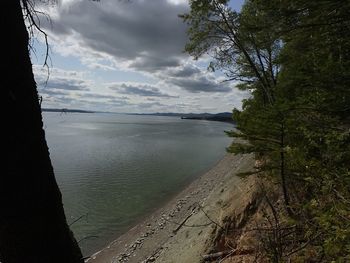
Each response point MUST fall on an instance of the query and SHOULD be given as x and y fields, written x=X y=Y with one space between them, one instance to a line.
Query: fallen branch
x=182 y=223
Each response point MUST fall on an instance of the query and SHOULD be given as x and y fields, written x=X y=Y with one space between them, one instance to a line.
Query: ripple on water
x=117 y=168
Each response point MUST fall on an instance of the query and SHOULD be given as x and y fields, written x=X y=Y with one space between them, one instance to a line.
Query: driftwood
x=182 y=223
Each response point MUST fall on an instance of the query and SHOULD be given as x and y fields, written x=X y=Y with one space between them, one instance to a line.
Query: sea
x=115 y=169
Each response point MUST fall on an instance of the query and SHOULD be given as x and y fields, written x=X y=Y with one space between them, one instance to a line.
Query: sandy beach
x=181 y=230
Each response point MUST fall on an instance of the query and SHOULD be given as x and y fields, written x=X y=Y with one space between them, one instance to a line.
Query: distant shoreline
x=222 y=117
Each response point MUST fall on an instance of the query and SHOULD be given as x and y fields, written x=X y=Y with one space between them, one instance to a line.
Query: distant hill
x=222 y=116
x=66 y=110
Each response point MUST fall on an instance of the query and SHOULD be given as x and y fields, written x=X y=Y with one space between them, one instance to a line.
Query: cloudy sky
x=126 y=56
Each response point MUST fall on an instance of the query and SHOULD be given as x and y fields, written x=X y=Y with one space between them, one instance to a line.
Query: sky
x=126 y=57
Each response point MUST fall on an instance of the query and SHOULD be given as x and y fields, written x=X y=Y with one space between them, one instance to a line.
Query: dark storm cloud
x=152 y=64
x=140 y=90
x=184 y=71
x=200 y=84
x=148 y=33
x=191 y=78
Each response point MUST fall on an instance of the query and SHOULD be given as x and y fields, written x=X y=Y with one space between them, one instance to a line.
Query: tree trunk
x=33 y=226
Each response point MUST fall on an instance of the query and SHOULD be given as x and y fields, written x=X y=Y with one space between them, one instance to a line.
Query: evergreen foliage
x=294 y=58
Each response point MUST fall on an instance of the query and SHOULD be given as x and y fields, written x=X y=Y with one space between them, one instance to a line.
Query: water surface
x=115 y=168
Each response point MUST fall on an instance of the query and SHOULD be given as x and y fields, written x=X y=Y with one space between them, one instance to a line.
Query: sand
x=181 y=231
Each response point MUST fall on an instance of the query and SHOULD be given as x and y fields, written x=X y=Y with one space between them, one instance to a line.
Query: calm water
x=117 y=168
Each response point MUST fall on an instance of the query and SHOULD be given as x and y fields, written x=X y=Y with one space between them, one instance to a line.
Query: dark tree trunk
x=33 y=226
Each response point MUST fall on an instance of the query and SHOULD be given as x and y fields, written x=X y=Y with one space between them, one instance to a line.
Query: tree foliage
x=293 y=56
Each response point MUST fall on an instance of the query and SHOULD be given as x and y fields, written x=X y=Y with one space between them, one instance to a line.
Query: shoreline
x=163 y=204
x=148 y=238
